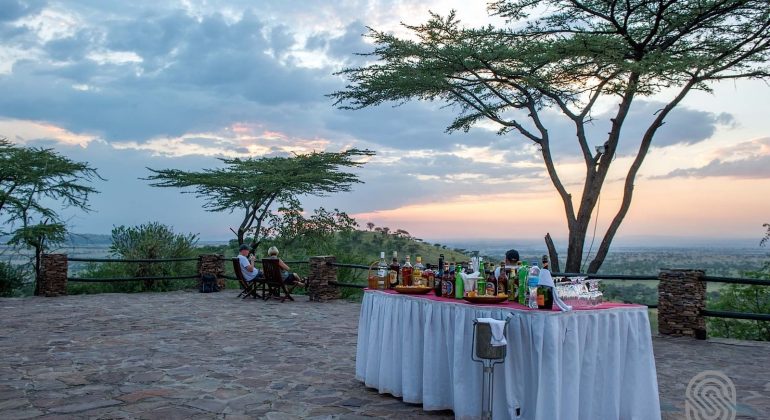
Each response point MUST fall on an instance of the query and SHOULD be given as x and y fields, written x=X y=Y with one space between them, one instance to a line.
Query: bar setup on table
x=588 y=360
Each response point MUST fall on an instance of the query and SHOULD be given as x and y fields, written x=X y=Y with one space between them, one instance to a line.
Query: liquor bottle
x=429 y=274
x=459 y=285
x=502 y=279
x=481 y=284
x=393 y=271
x=382 y=272
x=417 y=279
x=523 y=273
x=406 y=273
x=491 y=281
x=544 y=297
x=446 y=278
x=439 y=283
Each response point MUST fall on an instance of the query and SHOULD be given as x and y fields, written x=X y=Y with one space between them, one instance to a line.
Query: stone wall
x=53 y=275
x=212 y=264
x=681 y=297
x=318 y=287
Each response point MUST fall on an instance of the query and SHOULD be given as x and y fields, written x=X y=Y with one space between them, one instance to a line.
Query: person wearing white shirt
x=247 y=264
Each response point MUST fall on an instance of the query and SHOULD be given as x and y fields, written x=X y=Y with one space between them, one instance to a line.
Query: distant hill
x=371 y=243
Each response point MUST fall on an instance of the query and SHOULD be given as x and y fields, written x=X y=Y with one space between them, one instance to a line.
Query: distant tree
x=32 y=180
x=385 y=230
x=572 y=55
x=148 y=242
x=304 y=236
x=437 y=245
x=402 y=232
x=254 y=186
x=370 y=225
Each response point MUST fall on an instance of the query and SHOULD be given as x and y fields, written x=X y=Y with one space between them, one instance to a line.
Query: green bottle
x=481 y=283
x=523 y=273
x=459 y=285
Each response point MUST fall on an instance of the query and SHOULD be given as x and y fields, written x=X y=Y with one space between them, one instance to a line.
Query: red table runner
x=508 y=304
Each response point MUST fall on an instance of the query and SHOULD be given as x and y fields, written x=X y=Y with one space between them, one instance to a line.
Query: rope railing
x=116 y=279
x=708 y=313
x=120 y=260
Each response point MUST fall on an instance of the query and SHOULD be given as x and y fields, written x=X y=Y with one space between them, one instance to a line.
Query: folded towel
x=545 y=278
x=560 y=303
x=498 y=331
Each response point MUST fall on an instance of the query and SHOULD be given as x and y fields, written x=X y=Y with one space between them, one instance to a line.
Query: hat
x=512 y=255
x=243 y=247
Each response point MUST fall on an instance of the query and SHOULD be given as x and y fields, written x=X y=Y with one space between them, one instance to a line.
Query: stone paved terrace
x=183 y=355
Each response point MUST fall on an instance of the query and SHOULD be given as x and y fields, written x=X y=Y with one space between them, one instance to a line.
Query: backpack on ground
x=208 y=284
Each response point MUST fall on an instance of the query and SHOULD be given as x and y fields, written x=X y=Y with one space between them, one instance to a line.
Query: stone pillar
x=681 y=297
x=213 y=264
x=318 y=287
x=53 y=275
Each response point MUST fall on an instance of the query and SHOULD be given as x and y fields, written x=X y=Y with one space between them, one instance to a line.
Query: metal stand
x=489 y=356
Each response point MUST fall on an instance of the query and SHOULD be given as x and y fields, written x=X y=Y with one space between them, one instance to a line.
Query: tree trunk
x=552 y=254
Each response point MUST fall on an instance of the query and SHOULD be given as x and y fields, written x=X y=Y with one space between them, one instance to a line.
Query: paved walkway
x=183 y=355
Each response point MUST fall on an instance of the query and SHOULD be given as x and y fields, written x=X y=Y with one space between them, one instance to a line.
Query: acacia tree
x=571 y=56
x=30 y=179
x=253 y=186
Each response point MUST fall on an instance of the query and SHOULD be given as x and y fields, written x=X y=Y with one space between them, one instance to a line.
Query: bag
x=208 y=284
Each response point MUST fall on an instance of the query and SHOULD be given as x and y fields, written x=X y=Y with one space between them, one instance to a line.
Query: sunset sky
x=176 y=84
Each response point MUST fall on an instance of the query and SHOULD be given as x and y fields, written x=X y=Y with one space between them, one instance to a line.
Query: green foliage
x=253 y=186
x=323 y=233
x=629 y=293
x=741 y=298
x=571 y=56
x=30 y=179
x=147 y=241
x=11 y=279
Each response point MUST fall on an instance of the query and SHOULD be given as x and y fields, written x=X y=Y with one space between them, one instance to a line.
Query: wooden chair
x=274 y=287
x=247 y=288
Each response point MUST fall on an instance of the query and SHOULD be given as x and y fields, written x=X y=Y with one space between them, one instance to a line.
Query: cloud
x=11 y=10
x=746 y=160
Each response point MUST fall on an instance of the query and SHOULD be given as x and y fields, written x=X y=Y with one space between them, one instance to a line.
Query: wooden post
x=681 y=298
x=53 y=275
x=318 y=287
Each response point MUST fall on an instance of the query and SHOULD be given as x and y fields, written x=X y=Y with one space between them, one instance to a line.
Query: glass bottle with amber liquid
x=393 y=271
x=502 y=280
x=406 y=273
x=417 y=269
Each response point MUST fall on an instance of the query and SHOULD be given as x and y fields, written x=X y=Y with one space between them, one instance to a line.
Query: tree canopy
x=568 y=55
x=253 y=185
x=31 y=179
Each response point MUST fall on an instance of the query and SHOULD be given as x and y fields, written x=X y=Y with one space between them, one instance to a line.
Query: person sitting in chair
x=289 y=277
x=247 y=264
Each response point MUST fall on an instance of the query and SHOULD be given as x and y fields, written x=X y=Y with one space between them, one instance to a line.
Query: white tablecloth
x=589 y=364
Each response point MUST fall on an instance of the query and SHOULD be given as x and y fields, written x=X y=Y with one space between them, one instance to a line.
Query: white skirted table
x=583 y=364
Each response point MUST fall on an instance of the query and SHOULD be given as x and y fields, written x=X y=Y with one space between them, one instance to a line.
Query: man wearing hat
x=511 y=260
x=247 y=264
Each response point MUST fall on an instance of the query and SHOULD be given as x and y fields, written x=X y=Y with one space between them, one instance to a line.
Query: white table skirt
x=589 y=364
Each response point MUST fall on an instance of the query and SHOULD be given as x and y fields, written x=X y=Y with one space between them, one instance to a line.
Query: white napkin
x=557 y=300
x=497 y=328
x=469 y=281
x=545 y=278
